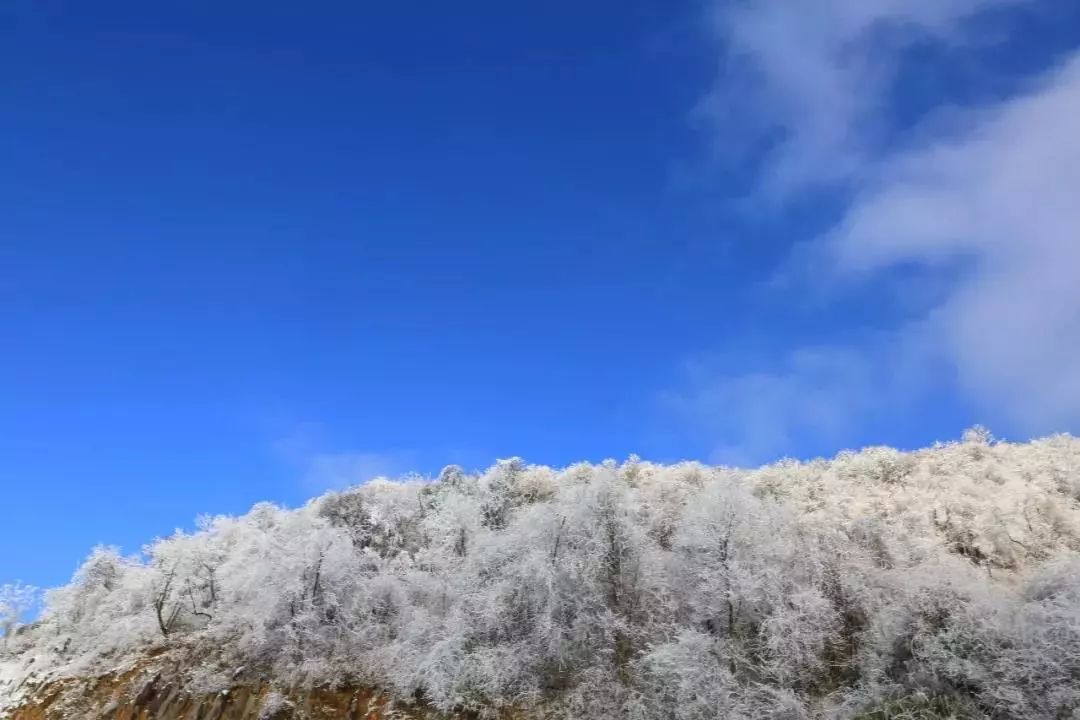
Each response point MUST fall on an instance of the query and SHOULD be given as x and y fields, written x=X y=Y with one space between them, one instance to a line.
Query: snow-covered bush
x=16 y=599
x=878 y=584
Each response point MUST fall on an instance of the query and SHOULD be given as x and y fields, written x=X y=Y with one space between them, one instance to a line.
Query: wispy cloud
x=812 y=397
x=1003 y=202
x=327 y=471
x=319 y=469
x=756 y=416
x=995 y=201
x=814 y=77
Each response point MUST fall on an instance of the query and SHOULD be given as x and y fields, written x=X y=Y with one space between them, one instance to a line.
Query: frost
x=877 y=582
x=272 y=704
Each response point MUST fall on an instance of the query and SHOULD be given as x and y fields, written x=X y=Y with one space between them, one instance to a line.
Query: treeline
x=879 y=584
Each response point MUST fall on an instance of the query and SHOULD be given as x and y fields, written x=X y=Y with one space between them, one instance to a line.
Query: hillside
x=879 y=584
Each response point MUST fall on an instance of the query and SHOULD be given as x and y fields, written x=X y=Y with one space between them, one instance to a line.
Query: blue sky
x=253 y=251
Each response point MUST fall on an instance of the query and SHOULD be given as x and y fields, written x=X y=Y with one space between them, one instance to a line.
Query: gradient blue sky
x=253 y=251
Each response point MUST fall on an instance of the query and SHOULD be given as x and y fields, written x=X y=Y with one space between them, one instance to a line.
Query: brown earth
x=142 y=694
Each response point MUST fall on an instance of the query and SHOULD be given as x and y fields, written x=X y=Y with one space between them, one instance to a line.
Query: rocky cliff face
x=151 y=692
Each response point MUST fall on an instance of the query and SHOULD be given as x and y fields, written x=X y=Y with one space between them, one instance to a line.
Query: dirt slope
x=148 y=692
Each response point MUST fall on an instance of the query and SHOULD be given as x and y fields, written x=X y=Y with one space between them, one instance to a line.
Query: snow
x=616 y=590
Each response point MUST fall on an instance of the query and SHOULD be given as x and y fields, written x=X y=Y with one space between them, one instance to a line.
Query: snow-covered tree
x=16 y=599
x=871 y=585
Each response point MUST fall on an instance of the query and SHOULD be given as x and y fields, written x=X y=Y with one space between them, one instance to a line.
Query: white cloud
x=818 y=73
x=995 y=203
x=330 y=471
x=319 y=470
x=1002 y=202
x=757 y=416
x=814 y=397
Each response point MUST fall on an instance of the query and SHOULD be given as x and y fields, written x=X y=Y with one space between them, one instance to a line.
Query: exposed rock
x=141 y=694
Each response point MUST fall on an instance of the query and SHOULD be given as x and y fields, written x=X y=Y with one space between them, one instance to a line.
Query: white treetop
x=940 y=581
